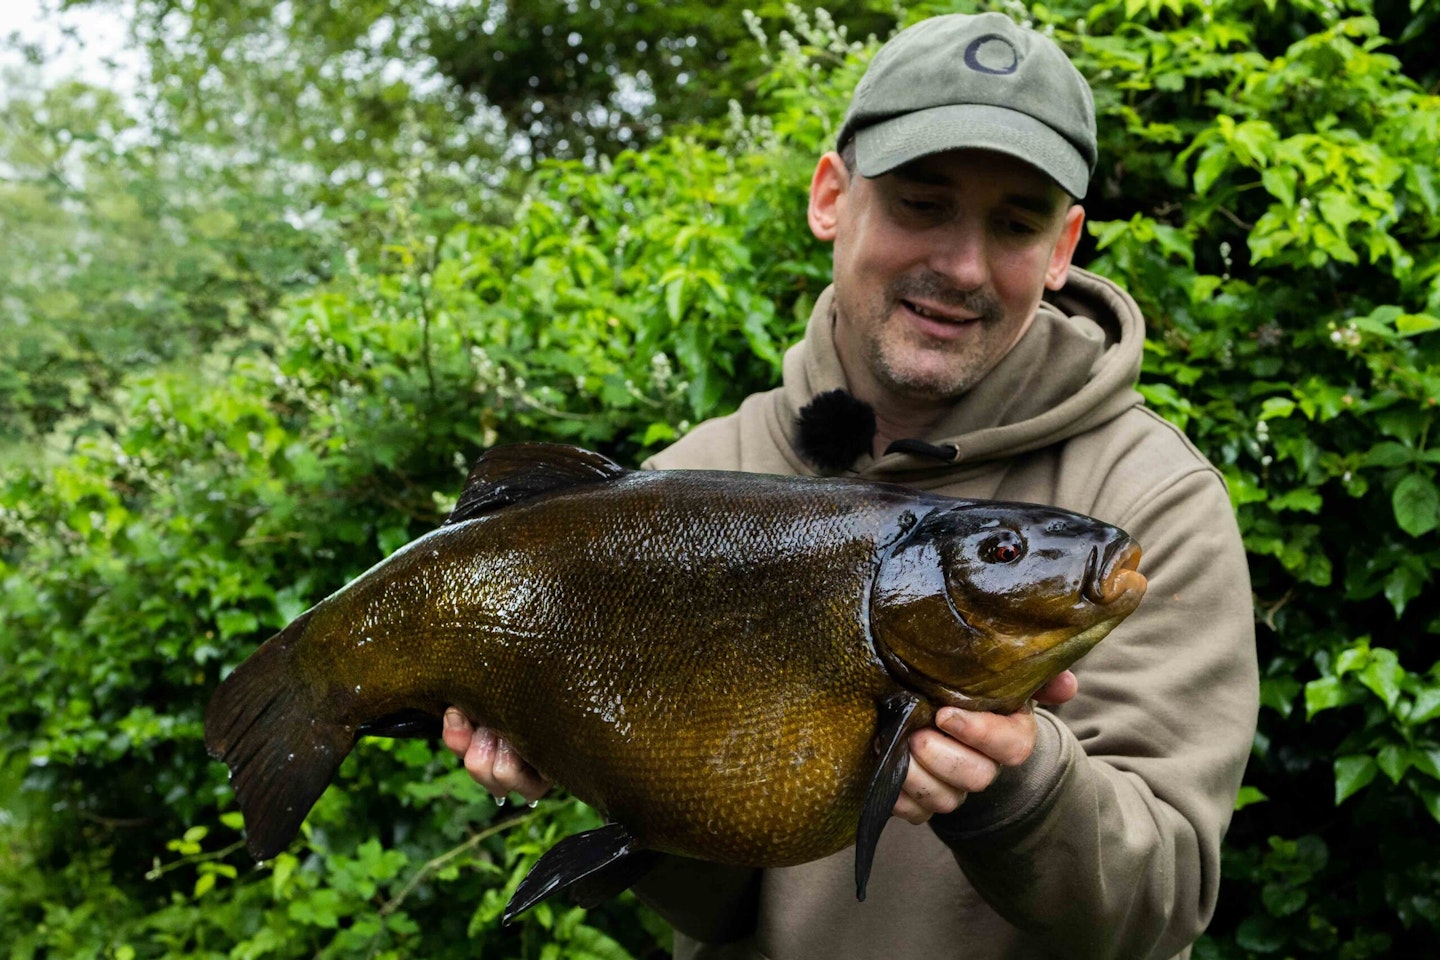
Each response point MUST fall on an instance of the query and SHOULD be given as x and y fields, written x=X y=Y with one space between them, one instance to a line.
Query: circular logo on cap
x=992 y=53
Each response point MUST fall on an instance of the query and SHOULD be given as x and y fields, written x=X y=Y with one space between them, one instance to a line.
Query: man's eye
x=920 y=206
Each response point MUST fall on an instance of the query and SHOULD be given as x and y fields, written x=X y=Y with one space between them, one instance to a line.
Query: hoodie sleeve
x=1107 y=842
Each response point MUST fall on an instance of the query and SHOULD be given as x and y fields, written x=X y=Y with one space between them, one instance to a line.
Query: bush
x=1267 y=190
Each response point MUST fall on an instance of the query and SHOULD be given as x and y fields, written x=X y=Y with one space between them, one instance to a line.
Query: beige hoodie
x=1106 y=843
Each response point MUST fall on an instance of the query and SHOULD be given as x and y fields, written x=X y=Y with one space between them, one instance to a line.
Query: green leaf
x=1422 y=177
x=1431 y=799
x=1303 y=499
x=319 y=908
x=1278 y=693
x=236 y=622
x=1393 y=760
x=1410 y=324
x=1406 y=424
x=1383 y=676
x=756 y=327
x=1339 y=210
x=1203 y=287
x=1405 y=583
x=1174 y=241
x=657 y=432
x=1256 y=139
x=1333 y=244
x=1353 y=773
x=1353 y=658
x=1259 y=933
x=1249 y=795
x=1280 y=183
x=1325 y=693
x=674 y=298
x=390 y=539
x=1427 y=761
x=290 y=602
x=1281 y=900
x=1417 y=504
x=1210 y=166
x=1276 y=407
x=1426 y=706
x=1388 y=453
x=284 y=869
x=1107 y=232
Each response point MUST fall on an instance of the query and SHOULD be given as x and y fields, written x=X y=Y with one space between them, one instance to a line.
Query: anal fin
x=593 y=866
x=892 y=743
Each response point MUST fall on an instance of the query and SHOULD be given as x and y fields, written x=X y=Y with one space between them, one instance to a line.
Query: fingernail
x=453 y=720
x=952 y=720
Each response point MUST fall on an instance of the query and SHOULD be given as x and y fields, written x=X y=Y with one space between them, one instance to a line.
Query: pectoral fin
x=892 y=743
x=408 y=724
x=593 y=866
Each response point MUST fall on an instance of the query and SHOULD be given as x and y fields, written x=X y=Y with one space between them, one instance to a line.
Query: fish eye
x=1005 y=547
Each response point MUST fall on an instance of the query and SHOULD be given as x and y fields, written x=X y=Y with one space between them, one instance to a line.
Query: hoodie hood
x=1074 y=369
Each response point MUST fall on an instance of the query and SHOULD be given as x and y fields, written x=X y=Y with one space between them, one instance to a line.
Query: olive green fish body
x=725 y=664
x=740 y=680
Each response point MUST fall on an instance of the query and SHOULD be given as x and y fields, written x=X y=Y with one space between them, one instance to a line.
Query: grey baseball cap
x=974 y=81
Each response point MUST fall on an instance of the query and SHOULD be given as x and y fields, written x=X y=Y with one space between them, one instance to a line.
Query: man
x=1091 y=828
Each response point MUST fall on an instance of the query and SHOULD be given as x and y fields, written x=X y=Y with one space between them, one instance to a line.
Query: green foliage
x=152 y=547
x=120 y=255
x=1269 y=192
x=1268 y=196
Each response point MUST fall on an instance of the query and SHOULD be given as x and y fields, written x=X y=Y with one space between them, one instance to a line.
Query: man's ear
x=827 y=192
x=1065 y=245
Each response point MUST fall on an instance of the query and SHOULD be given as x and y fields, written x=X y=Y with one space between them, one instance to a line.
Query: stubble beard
x=965 y=363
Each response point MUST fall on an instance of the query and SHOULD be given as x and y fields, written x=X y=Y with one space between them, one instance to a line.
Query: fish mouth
x=1113 y=576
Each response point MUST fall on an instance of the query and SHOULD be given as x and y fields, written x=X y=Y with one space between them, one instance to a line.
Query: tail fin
x=262 y=723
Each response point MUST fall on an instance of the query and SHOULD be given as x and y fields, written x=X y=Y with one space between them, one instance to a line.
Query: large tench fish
x=726 y=665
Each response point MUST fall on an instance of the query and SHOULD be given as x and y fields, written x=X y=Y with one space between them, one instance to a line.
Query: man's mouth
x=932 y=313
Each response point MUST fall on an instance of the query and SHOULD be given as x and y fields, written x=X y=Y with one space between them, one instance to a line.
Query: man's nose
x=960 y=257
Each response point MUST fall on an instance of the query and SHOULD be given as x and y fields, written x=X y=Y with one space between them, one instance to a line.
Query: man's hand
x=966 y=752
x=491 y=761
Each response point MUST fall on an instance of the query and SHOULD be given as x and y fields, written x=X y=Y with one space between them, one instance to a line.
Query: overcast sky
x=99 y=36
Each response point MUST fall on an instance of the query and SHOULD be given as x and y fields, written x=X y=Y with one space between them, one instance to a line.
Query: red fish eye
x=1002 y=549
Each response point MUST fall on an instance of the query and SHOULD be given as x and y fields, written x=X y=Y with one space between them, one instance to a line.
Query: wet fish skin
x=701 y=656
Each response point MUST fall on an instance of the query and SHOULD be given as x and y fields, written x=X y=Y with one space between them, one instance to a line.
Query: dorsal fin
x=518 y=471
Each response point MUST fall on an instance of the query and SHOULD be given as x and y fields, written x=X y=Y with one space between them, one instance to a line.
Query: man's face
x=939 y=266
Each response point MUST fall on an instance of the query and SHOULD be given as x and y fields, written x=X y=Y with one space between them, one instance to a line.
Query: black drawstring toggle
x=919 y=448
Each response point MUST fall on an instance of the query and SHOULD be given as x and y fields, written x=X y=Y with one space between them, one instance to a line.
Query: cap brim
x=881 y=147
